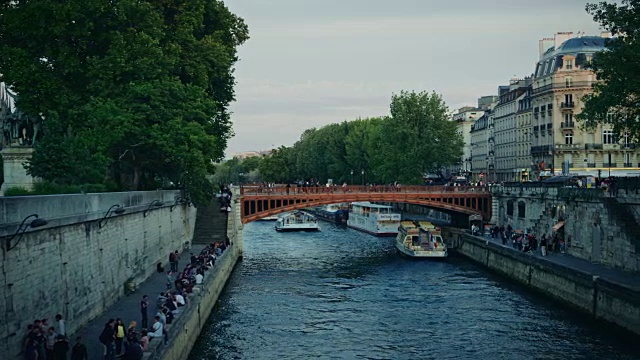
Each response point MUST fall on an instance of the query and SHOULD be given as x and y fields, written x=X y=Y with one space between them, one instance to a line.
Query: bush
x=49 y=188
x=16 y=191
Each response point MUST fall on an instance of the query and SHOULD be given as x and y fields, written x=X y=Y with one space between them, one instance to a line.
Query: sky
x=311 y=63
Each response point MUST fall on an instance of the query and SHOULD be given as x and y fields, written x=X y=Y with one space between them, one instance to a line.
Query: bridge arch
x=262 y=202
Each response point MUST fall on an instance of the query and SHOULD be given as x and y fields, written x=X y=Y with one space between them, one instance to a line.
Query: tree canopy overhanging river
x=343 y=294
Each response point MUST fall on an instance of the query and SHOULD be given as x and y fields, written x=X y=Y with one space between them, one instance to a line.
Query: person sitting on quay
x=158 y=330
x=134 y=351
x=144 y=340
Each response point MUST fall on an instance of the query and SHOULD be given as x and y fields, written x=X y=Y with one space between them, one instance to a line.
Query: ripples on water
x=342 y=294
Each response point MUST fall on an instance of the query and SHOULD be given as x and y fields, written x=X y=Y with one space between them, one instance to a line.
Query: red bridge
x=259 y=202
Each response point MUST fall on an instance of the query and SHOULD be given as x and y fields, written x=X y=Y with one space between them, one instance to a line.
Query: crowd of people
x=44 y=341
x=129 y=342
x=527 y=242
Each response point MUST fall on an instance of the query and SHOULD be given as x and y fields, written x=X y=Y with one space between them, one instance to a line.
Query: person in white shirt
x=199 y=279
x=180 y=300
x=61 y=327
x=158 y=329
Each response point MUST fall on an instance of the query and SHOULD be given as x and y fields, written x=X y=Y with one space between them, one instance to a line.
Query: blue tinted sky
x=311 y=63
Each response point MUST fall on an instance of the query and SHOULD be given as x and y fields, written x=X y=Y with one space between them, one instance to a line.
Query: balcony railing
x=609 y=165
x=567 y=105
x=536 y=115
x=541 y=149
x=629 y=146
x=567 y=125
x=592 y=146
x=591 y=165
x=568 y=146
x=628 y=165
x=564 y=85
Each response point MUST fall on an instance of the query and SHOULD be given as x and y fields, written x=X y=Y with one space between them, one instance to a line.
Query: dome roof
x=574 y=46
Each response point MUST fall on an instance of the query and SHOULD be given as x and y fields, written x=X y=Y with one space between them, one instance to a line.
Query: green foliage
x=49 y=188
x=418 y=137
x=134 y=91
x=616 y=99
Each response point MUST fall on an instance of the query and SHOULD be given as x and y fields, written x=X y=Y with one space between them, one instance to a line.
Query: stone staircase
x=211 y=224
x=624 y=216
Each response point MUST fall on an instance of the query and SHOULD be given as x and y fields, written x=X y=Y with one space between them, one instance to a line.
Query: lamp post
x=351 y=178
x=362 y=176
x=609 y=163
x=37 y=222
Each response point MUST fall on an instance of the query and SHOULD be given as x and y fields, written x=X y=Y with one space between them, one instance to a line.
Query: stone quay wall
x=74 y=267
x=602 y=299
x=196 y=315
x=596 y=227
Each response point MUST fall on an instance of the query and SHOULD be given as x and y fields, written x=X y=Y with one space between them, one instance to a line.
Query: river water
x=343 y=294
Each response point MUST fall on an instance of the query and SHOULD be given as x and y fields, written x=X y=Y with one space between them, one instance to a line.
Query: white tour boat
x=269 y=218
x=373 y=219
x=420 y=240
x=297 y=221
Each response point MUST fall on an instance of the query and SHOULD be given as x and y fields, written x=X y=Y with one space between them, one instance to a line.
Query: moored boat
x=337 y=213
x=269 y=218
x=420 y=239
x=297 y=221
x=374 y=219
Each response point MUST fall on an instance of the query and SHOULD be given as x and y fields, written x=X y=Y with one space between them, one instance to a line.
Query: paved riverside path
x=620 y=277
x=127 y=307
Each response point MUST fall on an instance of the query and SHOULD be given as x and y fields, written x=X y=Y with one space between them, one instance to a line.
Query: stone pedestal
x=15 y=175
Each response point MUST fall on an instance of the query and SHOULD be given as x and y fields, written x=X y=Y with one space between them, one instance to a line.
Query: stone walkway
x=625 y=278
x=127 y=308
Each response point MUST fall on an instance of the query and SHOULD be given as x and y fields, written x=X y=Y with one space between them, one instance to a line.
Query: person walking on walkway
x=144 y=310
x=543 y=245
x=120 y=335
x=106 y=339
x=79 y=350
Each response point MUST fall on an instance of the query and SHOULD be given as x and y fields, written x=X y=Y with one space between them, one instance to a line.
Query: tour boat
x=420 y=240
x=337 y=213
x=373 y=219
x=297 y=221
x=269 y=218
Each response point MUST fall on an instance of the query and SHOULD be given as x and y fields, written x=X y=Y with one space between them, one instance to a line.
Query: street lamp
x=37 y=222
x=351 y=178
x=362 y=176
x=609 y=163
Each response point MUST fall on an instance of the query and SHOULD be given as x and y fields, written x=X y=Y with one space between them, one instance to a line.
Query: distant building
x=248 y=154
x=506 y=131
x=464 y=118
x=559 y=145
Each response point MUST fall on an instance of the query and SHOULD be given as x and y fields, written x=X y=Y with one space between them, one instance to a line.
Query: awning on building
x=557 y=226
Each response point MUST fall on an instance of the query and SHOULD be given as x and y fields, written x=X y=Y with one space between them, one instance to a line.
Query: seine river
x=342 y=294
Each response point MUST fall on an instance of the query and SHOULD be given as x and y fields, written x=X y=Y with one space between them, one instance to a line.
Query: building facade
x=464 y=118
x=506 y=131
x=559 y=144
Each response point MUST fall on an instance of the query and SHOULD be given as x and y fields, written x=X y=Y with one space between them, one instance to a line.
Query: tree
x=133 y=92
x=277 y=166
x=417 y=138
x=616 y=97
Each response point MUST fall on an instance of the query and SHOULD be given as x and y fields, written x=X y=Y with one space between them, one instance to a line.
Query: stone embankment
x=604 y=293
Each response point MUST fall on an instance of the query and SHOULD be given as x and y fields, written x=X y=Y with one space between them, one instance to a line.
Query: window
x=568 y=64
x=568 y=139
x=568 y=118
x=568 y=81
x=607 y=136
x=627 y=138
x=568 y=98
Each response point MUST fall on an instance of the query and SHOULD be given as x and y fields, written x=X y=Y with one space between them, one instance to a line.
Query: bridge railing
x=302 y=190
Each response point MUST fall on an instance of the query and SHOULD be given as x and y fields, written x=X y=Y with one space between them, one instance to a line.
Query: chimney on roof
x=561 y=37
x=544 y=45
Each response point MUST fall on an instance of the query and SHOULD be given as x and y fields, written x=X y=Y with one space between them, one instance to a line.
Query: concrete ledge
x=186 y=328
x=62 y=210
x=601 y=298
